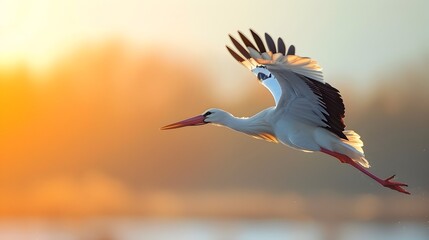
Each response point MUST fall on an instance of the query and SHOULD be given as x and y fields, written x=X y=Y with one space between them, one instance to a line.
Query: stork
x=308 y=114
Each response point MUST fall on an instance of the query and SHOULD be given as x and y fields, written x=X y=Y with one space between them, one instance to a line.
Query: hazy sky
x=357 y=39
x=93 y=129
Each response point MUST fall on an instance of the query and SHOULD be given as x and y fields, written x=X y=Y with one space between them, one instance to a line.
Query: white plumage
x=308 y=114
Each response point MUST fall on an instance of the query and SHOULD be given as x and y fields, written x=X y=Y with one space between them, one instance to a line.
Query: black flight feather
x=240 y=48
x=235 y=55
x=270 y=43
x=246 y=41
x=330 y=99
x=291 y=50
x=258 y=41
x=281 y=46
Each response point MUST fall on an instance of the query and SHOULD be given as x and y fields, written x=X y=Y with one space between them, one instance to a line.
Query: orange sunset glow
x=85 y=87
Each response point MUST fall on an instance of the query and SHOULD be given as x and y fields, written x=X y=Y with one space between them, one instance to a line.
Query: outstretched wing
x=295 y=82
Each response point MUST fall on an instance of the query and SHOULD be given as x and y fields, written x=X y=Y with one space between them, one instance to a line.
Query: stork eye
x=263 y=76
x=207 y=113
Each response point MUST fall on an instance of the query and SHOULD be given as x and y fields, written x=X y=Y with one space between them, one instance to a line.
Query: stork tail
x=354 y=143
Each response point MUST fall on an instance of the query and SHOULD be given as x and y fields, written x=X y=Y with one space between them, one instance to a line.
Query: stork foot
x=397 y=186
x=394 y=185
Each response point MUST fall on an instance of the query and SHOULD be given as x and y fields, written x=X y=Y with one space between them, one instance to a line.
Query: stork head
x=212 y=115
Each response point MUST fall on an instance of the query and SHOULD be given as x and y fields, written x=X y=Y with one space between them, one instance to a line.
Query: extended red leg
x=384 y=182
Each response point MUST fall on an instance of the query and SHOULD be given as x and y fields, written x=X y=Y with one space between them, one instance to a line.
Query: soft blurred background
x=85 y=86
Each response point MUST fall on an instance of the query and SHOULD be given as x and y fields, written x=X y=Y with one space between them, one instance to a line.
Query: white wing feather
x=301 y=65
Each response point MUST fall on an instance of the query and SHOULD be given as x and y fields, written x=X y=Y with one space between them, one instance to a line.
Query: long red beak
x=194 y=121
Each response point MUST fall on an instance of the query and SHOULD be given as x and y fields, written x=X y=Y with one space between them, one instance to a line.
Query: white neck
x=255 y=126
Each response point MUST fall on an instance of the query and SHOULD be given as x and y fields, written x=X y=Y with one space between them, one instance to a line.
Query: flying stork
x=309 y=112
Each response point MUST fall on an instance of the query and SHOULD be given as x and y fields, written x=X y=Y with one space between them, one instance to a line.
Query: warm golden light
x=81 y=140
x=22 y=23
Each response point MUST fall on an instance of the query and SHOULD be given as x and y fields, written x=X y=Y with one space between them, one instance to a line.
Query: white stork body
x=309 y=112
x=277 y=126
